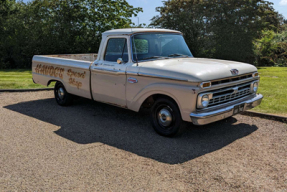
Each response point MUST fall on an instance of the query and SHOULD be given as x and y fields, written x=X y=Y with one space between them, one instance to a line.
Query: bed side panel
x=74 y=74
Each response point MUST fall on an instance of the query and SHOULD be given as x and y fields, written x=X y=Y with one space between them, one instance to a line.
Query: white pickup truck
x=152 y=68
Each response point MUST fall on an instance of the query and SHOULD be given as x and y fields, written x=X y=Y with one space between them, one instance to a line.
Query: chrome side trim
x=131 y=73
x=212 y=116
x=81 y=67
x=109 y=71
x=161 y=76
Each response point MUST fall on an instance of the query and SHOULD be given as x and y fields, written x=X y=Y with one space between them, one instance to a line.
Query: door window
x=116 y=48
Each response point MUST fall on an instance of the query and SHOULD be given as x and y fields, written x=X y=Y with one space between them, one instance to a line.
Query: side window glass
x=116 y=48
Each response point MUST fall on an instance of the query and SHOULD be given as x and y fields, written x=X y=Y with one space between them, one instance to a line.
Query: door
x=108 y=77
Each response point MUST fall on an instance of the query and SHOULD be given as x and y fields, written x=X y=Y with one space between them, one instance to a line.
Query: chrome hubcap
x=61 y=93
x=165 y=117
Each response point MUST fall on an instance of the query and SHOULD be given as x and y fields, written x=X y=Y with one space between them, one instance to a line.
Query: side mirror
x=120 y=61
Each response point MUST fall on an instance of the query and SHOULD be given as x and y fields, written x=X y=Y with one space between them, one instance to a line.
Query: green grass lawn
x=273 y=85
x=18 y=79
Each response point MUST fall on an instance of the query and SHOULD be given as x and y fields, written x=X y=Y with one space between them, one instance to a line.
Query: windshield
x=159 y=46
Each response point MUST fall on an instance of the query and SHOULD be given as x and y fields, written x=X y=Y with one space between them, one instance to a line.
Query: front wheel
x=62 y=97
x=165 y=117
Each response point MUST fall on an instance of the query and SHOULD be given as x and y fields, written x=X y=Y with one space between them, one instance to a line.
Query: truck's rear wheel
x=62 y=97
x=165 y=117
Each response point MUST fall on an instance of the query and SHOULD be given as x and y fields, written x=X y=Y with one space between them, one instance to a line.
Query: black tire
x=165 y=117
x=62 y=97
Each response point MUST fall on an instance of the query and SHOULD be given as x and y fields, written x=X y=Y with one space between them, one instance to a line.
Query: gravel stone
x=91 y=146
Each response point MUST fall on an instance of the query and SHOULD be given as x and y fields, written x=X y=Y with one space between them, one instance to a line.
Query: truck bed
x=84 y=57
x=70 y=69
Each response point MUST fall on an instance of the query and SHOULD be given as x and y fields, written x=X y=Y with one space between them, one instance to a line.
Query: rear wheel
x=62 y=97
x=165 y=117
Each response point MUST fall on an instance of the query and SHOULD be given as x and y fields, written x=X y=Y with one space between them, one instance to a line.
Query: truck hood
x=194 y=69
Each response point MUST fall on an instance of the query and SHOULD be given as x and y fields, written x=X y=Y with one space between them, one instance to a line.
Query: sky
x=150 y=5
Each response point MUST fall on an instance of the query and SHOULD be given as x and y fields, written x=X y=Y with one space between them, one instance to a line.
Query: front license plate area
x=238 y=109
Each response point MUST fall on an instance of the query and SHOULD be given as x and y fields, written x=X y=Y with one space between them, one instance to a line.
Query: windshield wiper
x=177 y=55
x=154 y=57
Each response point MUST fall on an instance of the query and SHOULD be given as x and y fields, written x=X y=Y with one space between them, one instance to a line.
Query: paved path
x=96 y=147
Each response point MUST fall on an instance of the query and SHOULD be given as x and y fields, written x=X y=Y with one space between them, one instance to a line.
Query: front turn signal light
x=256 y=74
x=205 y=85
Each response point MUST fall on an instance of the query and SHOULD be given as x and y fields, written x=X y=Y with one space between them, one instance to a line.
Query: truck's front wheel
x=166 y=117
x=62 y=97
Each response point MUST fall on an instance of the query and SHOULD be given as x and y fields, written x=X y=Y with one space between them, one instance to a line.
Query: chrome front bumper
x=209 y=117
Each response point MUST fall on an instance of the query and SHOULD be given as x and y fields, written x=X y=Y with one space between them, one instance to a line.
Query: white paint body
x=104 y=81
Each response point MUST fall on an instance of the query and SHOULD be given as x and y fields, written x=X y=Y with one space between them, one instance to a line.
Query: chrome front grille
x=229 y=94
x=231 y=79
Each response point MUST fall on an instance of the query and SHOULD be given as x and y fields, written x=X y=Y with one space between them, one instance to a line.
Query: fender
x=180 y=93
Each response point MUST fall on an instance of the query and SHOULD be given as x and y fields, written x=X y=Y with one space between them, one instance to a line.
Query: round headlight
x=205 y=100
x=255 y=87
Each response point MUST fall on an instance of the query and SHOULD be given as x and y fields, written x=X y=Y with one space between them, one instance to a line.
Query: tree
x=7 y=9
x=61 y=27
x=271 y=48
x=187 y=16
x=224 y=29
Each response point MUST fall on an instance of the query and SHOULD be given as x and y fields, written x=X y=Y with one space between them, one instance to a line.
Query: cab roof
x=129 y=31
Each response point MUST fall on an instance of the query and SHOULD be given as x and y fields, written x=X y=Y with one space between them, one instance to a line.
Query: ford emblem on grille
x=235 y=90
x=234 y=71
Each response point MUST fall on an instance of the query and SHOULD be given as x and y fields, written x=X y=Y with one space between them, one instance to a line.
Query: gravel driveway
x=96 y=147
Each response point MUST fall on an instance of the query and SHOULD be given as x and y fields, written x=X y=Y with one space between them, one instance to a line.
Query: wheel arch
x=50 y=81
x=149 y=101
x=55 y=80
